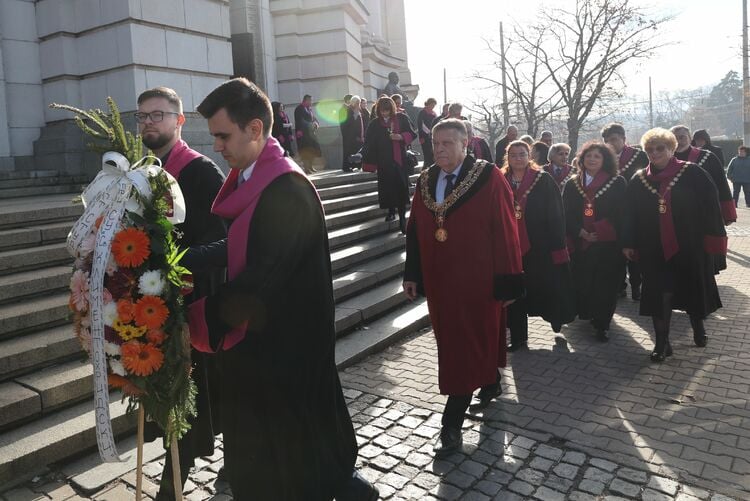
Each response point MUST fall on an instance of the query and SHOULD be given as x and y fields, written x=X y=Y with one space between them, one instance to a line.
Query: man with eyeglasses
x=160 y=120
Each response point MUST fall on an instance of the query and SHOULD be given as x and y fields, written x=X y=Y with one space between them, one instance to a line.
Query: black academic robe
x=282 y=131
x=546 y=267
x=599 y=267
x=304 y=123
x=700 y=233
x=425 y=121
x=629 y=163
x=352 y=134
x=393 y=177
x=287 y=430
x=711 y=164
x=480 y=150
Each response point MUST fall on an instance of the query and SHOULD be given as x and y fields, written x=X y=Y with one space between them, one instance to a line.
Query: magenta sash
x=666 y=223
x=626 y=154
x=693 y=154
x=238 y=204
x=180 y=155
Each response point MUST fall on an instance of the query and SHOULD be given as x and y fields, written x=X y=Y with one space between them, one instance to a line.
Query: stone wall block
x=167 y=12
x=60 y=91
x=185 y=51
x=94 y=91
x=97 y=51
x=117 y=10
x=22 y=140
x=24 y=103
x=18 y=20
x=88 y=14
x=203 y=16
x=58 y=56
x=202 y=86
x=180 y=82
x=121 y=87
x=219 y=56
x=149 y=45
x=53 y=16
x=21 y=61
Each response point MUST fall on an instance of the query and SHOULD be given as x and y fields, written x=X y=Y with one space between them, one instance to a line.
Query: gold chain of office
x=661 y=197
x=588 y=210
x=439 y=209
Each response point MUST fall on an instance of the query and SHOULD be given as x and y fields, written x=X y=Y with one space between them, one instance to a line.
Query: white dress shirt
x=442 y=182
x=245 y=174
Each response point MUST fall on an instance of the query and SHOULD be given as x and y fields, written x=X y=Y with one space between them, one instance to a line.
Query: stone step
x=44 y=391
x=353 y=216
x=34 y=314
x=402 y=321
x=73 y=188
x=33 y=283
x=29 y=211
x=368 y=306
x=366 y=250
x=26 y=450
x=356 y=232
x=367 y=275
x=18 y=260
x=350 y=202
x=43 y=181
x=35 y=235
x=348 y=189
x=36 y=350
x=22 y=174
x=329 y=178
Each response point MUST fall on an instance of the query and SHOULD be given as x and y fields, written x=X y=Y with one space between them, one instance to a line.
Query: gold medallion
x=589 y=210
x=517 y=208
x=662 y=206
x=441 y=235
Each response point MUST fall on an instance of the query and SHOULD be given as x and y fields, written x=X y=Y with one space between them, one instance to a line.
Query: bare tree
x=489 y=118
x=584 y=50
x=528 y=81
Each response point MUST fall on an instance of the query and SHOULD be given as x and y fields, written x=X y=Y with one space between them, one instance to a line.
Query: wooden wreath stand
x=176 y=478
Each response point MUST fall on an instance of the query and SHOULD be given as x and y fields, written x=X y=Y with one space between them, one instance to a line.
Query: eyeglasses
x=659 y=148
x=154 y=116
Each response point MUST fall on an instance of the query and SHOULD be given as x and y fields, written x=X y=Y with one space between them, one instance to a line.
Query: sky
x=706 y=37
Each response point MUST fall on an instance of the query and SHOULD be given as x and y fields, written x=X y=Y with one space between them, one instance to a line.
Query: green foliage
x=107 y=130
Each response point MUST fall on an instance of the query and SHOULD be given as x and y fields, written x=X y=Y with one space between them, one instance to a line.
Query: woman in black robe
x=385 y=151
x=282 y=129
x=541 y=230
x=425 y=120
x=673 y=227
x=593 y=202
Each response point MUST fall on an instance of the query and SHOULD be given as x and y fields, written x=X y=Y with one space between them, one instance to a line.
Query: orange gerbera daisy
x=130 y=389
x=141 y=359
x=131 y=247
x=125 y=310
x=156 y=337
x=151 y=312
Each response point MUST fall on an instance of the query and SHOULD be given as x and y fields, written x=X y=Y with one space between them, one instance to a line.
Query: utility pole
x=506 y=112
x=651 y=104
x=745 y=79
x=445 y=86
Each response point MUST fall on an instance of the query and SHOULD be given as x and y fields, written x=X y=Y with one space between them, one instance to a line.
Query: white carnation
x=117 y=367
x=151 y=283
x=110 y=314
x=112 y=349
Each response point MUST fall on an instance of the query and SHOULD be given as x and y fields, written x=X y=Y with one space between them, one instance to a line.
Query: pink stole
x=238 y=204
x=589 y=221
x=694 y=154
x=180 y=155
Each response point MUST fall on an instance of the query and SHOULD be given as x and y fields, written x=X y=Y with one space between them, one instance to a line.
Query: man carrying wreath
x=463 y=254
x=287 y=430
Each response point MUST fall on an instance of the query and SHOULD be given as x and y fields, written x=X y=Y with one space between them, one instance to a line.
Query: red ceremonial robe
x=466 y=277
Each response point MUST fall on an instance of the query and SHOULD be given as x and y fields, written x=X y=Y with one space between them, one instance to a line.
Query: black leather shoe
x=449 y=441
x=517 y=346
x=358 y=488
x=221 y=475
x=485 y=396
x=556 y=328
x=602 y=335
x=700 y=341
x=636 y=294
x=658 y=357
x=390 y=217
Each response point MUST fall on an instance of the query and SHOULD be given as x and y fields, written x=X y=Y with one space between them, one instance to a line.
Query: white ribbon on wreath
x=110 y=194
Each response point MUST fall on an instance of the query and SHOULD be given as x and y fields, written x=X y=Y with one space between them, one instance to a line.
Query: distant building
x=80 y=51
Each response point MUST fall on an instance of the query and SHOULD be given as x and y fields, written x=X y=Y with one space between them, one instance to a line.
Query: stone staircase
x=46 y=415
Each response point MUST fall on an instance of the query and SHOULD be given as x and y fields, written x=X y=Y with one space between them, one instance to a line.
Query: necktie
x=448 y=185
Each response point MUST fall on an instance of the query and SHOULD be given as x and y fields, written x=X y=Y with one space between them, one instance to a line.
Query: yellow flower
x=128 y=331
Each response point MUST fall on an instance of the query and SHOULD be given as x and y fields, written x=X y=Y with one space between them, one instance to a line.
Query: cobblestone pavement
x=578 y=419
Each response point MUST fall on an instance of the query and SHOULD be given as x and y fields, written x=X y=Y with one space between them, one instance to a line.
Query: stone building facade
x=80 y=51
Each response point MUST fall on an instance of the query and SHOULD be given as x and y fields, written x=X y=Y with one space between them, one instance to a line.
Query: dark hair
x=348 y=97
x=397 y=97
x=164 y=92
x=243 y=100
x=384 y=101
x=609 y=165
x=455 y=108
x=306 y=96
x=276 y=107
x=613 y=128
x=506 y=166
x=701 y=134
x=430 y=100
x=539 y=152
x=451 y=123
x=744 y=149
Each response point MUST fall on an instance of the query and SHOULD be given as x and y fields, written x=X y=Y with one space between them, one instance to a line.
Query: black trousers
x=737 y=188
x=634 y=275
x=518 y=322
x=455 y=410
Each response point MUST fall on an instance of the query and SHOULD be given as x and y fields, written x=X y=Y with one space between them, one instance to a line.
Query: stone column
x=253 y=48
x=91 y=49
x=6 y=161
